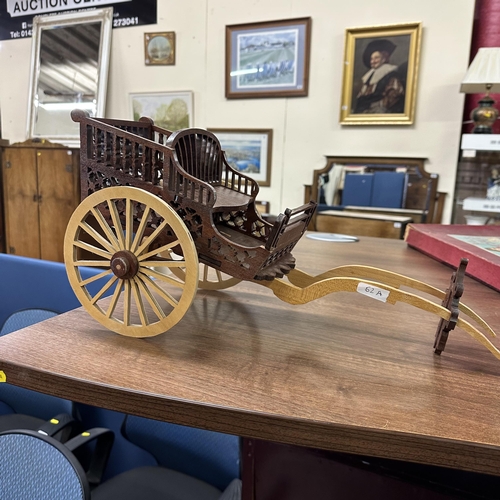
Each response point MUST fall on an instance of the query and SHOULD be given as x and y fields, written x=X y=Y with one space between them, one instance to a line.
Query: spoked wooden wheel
x=210 y=279
x=115 y=229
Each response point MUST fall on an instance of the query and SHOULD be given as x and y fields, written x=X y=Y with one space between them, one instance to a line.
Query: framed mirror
x=69 y=69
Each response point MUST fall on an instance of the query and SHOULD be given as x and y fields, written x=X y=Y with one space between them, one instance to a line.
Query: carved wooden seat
x=197 y=154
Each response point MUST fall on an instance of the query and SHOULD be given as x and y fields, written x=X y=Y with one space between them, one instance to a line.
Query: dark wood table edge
x=424 y=449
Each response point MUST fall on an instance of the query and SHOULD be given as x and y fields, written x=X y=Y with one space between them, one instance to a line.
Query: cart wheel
x=114 y=229
x=210 y=279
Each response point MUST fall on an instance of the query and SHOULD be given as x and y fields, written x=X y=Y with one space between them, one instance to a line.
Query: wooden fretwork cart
x=163 y=213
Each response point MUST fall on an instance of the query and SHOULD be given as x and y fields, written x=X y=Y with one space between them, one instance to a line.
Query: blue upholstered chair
x=39 y=467
x=142 y=443
x=35 y=284
x=36 y=466
x=210 y=456
x=31 y=290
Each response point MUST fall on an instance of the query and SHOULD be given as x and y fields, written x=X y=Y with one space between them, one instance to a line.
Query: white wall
x=305 y=128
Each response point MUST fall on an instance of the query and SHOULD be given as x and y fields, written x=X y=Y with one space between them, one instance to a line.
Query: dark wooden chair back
x=198 y=153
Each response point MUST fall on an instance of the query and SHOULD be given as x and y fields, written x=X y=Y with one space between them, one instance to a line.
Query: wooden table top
x=345 y=372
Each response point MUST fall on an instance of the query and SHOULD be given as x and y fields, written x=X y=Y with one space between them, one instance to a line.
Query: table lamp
x=483 y=75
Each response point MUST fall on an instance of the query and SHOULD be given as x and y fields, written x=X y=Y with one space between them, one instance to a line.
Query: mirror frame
x=105 y=16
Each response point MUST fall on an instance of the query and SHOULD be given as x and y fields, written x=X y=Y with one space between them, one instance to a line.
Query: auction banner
x=16 y=16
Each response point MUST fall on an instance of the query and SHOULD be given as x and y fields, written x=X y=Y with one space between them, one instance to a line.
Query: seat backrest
x=27 y=283
x=199 y=153
x=22 y=319
x=210 y=456
x=36 y=466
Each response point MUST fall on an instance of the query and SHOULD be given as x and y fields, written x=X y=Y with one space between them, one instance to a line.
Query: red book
x=449 y=243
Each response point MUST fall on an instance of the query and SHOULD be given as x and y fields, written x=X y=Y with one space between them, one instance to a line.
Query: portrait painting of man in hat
x=380 y=74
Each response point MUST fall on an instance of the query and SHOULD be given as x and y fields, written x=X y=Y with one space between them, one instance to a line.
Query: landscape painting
x=269 y=59
x=169 y=110
x=248 y=151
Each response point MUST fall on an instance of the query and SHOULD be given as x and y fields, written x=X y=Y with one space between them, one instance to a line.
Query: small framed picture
x=159 y=48
x=248 y=151
x=380 y=75
x=169 y=110
x=268 y=59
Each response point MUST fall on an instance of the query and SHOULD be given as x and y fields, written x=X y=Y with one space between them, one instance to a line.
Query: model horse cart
x=163 y=213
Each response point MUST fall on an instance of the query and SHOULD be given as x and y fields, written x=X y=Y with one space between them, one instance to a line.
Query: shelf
x=481 y=205
x=481 y=142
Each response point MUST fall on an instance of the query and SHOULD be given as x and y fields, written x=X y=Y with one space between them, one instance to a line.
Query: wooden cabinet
x=273 y=470
x=3 y=143
x=41 y=191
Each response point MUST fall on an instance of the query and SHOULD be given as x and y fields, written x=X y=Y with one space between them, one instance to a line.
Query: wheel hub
x=124 y=264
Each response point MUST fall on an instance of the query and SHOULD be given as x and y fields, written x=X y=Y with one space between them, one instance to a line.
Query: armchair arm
x=183 y=185
x=104 y=439
x=60 y=427
x=237 y=181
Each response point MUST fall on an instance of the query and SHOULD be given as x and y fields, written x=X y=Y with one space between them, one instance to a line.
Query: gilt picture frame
x=169 y=110
x=268 y=59
x=159 y=48
x=249 y=151
x=380 y=74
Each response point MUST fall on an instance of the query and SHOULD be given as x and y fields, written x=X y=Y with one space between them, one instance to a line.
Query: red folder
x=449 y=243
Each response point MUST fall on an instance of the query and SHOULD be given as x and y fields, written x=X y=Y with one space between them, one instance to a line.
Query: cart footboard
x=290 y=226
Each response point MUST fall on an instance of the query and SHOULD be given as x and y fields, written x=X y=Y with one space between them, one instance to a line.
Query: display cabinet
x=476 y=171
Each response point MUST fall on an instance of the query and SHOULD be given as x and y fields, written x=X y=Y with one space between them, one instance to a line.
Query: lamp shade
x=484 y=70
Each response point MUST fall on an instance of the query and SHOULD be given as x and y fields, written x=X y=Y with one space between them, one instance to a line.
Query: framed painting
x=380 y=75
x=169 y=110
x=159 y=48
x=248 y=151
x=268 y=59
